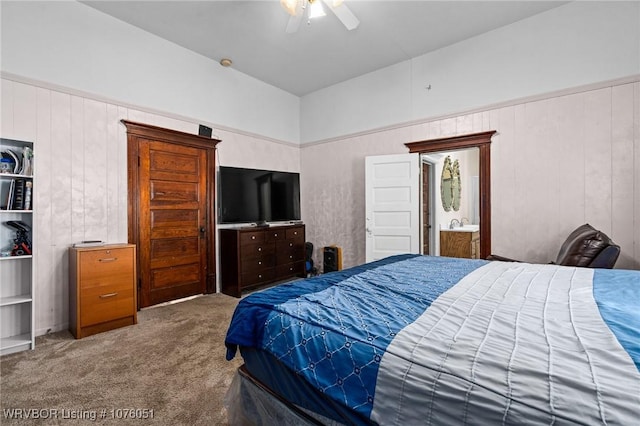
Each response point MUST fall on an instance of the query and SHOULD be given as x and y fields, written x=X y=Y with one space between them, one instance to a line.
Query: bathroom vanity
x=463 y=241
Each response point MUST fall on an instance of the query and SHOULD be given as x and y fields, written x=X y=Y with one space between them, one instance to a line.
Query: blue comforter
x=335 y=330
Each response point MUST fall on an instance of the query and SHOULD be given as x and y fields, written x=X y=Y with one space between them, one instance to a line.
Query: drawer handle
x=276 y=234
x=108 y=259
x=259 y=276
x=290 y=244
x=259 y=248
x=291 y=257
x=259 y=263
x=253 y=237
x=108 y=295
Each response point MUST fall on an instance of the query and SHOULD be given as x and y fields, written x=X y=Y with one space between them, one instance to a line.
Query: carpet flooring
x=170 y=367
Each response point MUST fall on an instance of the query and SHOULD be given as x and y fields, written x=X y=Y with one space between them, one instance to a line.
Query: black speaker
x=332 y=259
x=204 y=131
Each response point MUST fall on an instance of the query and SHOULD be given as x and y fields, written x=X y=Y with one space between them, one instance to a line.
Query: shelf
x=15 y=342
x=17 y=296
x=15 y=300
x=15 y=176
x=16 y=257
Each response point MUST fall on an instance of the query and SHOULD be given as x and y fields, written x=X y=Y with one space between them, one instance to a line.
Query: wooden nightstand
x=102 y=288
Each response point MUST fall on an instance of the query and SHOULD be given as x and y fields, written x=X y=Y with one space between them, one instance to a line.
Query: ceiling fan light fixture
x=290 y=6
x=315 y=9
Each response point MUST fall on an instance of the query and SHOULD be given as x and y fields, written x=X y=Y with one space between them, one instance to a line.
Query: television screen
x=251 y=195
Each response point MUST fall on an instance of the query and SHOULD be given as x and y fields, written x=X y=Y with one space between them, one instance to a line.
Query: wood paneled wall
x=80 y=189
x=557 y=162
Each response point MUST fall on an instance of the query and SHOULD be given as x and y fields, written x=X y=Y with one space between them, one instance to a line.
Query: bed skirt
x=249 y=402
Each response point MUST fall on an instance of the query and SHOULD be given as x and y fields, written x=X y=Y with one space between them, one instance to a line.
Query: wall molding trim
x=528 y=99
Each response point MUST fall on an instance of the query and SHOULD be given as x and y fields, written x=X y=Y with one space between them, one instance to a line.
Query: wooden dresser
x=252 y=257
x=102 y=288
x=464 y=244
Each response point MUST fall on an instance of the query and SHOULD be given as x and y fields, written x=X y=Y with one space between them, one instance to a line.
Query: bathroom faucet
x=452 y=226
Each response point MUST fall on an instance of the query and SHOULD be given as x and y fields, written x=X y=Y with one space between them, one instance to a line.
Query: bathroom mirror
x=446 y=184
x=456 y=186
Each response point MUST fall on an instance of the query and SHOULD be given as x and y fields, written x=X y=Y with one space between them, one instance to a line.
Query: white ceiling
x=252 y=34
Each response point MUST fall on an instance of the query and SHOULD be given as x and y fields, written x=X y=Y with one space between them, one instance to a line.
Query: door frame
x=431 y=196
x=482 y=141
x=136 y=132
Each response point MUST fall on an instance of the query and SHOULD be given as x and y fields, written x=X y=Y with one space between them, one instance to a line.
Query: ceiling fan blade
x=344 y=14
x=294 y=23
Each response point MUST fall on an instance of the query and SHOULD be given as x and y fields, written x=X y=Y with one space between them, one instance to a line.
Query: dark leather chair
x=586 y=247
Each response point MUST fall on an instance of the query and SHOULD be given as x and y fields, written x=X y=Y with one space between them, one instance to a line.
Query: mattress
x=419 y=339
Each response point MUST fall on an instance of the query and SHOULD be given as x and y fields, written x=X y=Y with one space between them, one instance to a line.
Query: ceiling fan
x=314 y=9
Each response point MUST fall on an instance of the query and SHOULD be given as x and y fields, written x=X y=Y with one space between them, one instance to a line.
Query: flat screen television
x=257 y=196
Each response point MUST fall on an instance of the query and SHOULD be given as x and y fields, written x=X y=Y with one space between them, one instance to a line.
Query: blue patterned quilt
x=358 y=336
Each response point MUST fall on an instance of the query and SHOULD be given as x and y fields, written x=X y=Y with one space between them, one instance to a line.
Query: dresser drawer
x=289 y=251
x=105 y=303
x=290 y=269
x=296 y=234
x=258 y=277
x=289 y=245
x=104 y=265
x=289 y=256
x=275 y=234
x=251 y=237
x=256 y=251
x=257 y=263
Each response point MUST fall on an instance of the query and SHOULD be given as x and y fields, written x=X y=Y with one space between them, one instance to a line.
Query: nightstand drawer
x=106 y=303
x=105 y=264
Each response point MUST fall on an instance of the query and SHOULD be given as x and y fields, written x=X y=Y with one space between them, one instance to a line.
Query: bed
x=415 y=339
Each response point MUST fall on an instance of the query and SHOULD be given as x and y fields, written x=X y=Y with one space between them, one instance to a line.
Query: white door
x=392 y=205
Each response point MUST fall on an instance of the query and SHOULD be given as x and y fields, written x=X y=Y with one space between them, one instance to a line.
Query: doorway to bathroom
x=481 y=141
x=450 y=196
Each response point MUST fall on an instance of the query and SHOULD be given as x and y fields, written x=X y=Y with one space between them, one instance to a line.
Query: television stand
x=252 y=257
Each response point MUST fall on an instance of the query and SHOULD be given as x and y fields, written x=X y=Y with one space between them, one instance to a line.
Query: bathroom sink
x=465 y=228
